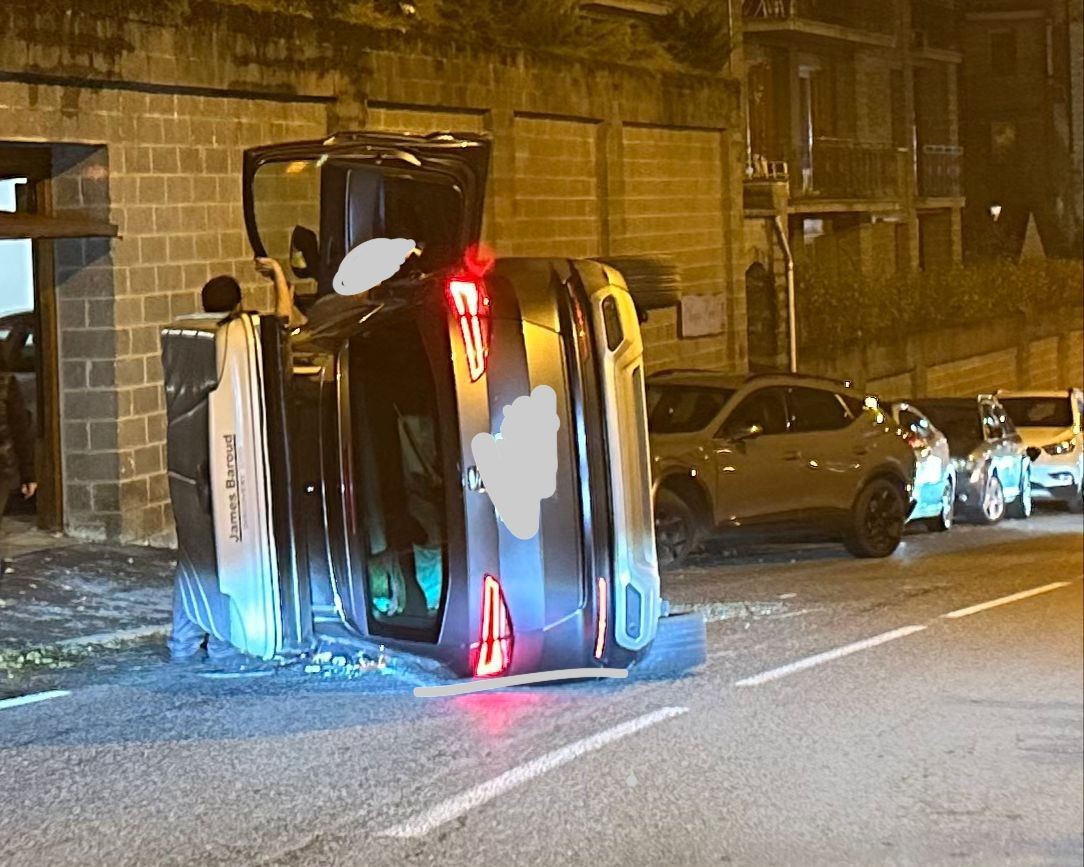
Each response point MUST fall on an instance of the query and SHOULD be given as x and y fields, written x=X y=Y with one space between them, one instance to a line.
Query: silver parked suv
x=772 y=454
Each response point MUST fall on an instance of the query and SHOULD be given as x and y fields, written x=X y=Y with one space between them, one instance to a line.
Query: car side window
x=812 y=409
x=991 y=422
x=683 y=409
x=763 y=407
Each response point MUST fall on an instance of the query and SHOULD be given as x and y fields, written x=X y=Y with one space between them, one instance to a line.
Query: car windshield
x=961 y=424
x=683 y=408
x=1039 y=411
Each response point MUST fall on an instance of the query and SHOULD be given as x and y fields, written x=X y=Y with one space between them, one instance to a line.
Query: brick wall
x=588 y=159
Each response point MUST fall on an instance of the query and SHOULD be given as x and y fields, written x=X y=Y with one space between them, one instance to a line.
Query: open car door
x=307 y=204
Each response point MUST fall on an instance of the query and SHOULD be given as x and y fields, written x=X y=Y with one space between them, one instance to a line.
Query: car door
x=751 y=472
x=826 y=463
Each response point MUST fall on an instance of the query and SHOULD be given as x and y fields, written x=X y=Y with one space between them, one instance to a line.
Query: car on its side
x=935 y=479
x=1052 y=421
x=992 y=463
x=772 y=455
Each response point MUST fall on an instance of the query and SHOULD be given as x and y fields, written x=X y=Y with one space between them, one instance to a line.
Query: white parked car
x=935 y=479
x=1052 y=421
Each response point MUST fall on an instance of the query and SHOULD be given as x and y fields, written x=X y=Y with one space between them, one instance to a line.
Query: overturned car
x=323 y=479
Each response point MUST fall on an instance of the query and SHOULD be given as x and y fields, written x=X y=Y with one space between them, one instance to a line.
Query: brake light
x=494 y=653
x=469 y=303
x=603 y=612
x=914 y=440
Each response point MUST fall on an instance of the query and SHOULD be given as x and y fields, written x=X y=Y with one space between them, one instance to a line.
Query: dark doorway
x=28 y=339
x=762 y=317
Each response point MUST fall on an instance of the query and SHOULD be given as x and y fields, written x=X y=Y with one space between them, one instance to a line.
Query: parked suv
x=775 y=453
x=1051 y=421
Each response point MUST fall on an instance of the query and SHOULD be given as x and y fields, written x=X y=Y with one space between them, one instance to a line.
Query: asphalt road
x=844 y=717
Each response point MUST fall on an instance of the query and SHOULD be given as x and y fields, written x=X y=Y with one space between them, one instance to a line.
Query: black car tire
x=1020 y=508
x=994 y=491
x=1076 y=504
x=944 y=521
x=677 y=528
x=877 y=519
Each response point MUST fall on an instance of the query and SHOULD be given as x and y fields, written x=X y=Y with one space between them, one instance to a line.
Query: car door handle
x=792 y=456
x=861 y=450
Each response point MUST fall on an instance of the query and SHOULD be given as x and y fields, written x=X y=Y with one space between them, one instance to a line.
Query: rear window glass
x=958 y=423
x=1039 y=412
x=337 y=205
x=683 y=408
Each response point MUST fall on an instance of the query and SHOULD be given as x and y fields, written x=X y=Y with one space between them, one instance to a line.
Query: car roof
x=719 y=379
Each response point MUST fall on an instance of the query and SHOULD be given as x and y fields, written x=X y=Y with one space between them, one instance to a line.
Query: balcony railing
x=875 y=17
x=939 y=169
x=847 y=169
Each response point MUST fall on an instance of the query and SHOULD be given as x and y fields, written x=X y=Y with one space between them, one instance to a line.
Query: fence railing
x=847 y=169
x=939 y=171
x=876 y=17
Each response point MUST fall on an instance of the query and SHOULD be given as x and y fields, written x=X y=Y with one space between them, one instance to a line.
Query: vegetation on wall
x=835 y=309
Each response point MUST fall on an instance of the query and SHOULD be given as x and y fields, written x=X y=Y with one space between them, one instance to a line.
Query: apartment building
x=854 y=161
x=1022 y=82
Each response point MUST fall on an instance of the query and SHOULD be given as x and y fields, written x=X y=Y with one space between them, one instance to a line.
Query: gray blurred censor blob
x=518 y=680
x=518 y=466
x=371 y=263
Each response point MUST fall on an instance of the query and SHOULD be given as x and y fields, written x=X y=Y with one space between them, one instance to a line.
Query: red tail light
x=469 y=303
x=603 y=614
x=914 y=440
x=494 y=653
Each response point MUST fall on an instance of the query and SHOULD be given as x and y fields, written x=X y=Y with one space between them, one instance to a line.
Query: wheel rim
x=1025 y=494
x=884 y=518
x=671 y=536
x=948 y=503
x=993 y=501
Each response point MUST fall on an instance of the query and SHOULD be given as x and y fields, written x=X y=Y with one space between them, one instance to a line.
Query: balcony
x=849 y=20
x=847 y=169
x=766 y=186
x=939 y=171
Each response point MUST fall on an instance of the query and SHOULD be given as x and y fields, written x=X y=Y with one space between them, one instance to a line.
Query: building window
x=1003 y=52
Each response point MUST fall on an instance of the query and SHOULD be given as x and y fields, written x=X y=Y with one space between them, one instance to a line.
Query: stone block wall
x=148 y=120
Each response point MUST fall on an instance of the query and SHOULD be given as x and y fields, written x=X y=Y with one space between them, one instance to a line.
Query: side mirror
x=1034 y=453
x=742 y=432
x=304 y=252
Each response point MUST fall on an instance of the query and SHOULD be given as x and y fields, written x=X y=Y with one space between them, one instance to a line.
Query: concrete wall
x=148 y=115
x=1046 y=354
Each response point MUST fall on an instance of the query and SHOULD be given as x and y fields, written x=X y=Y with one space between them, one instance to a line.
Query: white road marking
x=1004 y=600
x=453 y=808
x=828 y=656
x=32 y=698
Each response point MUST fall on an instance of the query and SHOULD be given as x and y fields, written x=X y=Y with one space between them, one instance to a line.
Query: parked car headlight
x=1062 y=448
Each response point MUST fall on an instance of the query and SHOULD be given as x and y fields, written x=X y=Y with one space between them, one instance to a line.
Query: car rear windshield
x=340 y=204
x=400 y=476
x=1039 y=411
x=959 y=423
x=683 y=408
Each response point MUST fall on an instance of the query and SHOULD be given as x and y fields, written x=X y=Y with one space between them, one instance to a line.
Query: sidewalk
x=60 y=592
